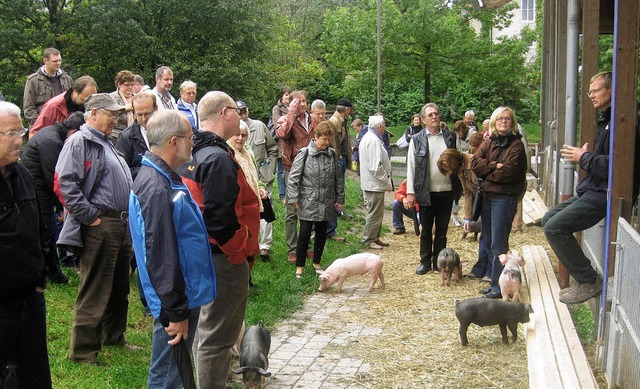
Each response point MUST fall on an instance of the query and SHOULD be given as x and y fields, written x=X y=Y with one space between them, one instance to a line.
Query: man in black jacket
x=133 y=142
x=588 y=206
x=40 y=157
x=23 y=337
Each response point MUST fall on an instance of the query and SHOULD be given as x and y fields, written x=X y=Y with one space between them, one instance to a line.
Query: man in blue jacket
x=170 y=241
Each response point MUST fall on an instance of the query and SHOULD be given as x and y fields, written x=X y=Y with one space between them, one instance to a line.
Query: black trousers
x=437 y=213
x=305 y=236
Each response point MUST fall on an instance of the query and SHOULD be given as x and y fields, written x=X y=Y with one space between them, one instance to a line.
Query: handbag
x=268 y=214
x=477 y=202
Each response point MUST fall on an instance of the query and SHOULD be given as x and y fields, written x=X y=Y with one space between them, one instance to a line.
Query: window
x=528 y=9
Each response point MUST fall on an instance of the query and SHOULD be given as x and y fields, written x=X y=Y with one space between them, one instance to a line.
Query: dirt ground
x=418 y=345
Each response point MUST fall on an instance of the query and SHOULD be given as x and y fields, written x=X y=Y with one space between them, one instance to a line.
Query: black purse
x=268 y=214
x=477 y=202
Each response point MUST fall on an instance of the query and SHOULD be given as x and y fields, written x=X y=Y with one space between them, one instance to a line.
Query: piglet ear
x=503 y=258
x=323 y=276
x=264 y=373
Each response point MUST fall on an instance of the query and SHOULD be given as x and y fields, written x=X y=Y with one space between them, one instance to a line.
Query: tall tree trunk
x=427 y=74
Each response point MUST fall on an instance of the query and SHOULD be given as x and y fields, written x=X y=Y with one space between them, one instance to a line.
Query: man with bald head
x=23 y=328
x=231 y=210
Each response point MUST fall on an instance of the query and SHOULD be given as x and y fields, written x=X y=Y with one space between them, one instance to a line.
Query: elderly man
x=295 y=129
x=133 y=142
x=164 y=83
x=94 y=183
x=177 y=270
x=49 y=81
x=138 y=84
x=231 y=215
x=60 y=107
x=123 y=95
x=23 y=328
x=469 y=120
x=265 y=151
x=318 y=110
x=375 y=179
x=40 y=156
x=589 y=205
x=187 y=103
x=429 y=188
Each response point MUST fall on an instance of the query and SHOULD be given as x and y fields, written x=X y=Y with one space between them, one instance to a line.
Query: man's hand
x=573 y=154
x=178 y=330
x=405 y=203
x=295 y=107
x=96 y=222
x=411 y=198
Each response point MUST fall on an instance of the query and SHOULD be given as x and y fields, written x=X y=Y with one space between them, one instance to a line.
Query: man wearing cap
x=60 y=107
x=340 y=144
x=93 y=183
x=265 y=151
x=40 y=156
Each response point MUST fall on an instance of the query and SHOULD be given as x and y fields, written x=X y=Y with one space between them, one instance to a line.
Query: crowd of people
x=181 y=190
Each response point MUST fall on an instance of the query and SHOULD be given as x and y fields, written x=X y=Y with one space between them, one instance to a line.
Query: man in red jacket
x=59 y=108
x=401 y=207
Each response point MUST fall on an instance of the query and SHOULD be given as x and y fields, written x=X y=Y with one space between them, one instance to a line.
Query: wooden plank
x=543 y=366
x=533 y=207
x=553 y=322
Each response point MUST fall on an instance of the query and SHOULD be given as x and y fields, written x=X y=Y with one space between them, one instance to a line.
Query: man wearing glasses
x=133 y=141
x=60 y=107
x=47 y=82
x=429 y=188
x=23 y=337
x=589 y=205
x=231 y=212
x=94 y=182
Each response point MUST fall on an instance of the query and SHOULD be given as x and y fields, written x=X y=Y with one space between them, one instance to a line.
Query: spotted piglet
x=342 y=268
x=511 y=278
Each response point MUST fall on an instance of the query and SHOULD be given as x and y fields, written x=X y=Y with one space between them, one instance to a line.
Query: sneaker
x=485 y=279
x=580 y=292
x=337 y=238
x=456 y=221
x=265 y=255
x=399 y=231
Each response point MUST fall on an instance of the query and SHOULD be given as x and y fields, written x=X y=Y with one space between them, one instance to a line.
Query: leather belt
x=122 y=215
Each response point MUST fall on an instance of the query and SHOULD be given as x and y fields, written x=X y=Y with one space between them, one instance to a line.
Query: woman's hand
x=263 y=194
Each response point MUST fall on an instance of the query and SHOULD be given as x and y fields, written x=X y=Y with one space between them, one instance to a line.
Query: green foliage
x=584 y=321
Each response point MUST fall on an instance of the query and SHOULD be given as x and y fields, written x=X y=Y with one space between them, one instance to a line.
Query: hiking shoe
x=374 y=246
x=580 y=292
x=337 y=238
x=399 y=231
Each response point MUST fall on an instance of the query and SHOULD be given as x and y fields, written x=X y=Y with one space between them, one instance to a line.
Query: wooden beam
x=590 y=28
x=624 y=113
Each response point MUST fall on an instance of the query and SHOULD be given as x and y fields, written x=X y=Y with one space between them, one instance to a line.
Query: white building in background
x=521 y=17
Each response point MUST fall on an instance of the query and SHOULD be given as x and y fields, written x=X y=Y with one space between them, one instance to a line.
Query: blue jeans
x=497 y=215
x=398 y=211
x=163 y=370
x=280 y=179
x=575 y=214
x=482 y=268
x=23 y=340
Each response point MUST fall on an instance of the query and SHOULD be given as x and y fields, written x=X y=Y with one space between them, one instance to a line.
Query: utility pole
x=379 y=47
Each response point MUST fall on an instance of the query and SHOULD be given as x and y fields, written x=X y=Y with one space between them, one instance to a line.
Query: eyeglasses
x=127 y=84
x=235 y=109
x=433 y=115
x=505 y=119
x=112 y=116
x=594 y=91
x=14 y=133
x=192 y=137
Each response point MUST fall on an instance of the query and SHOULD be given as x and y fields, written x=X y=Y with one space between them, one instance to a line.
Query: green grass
x=279 y=296
x=584 y=322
